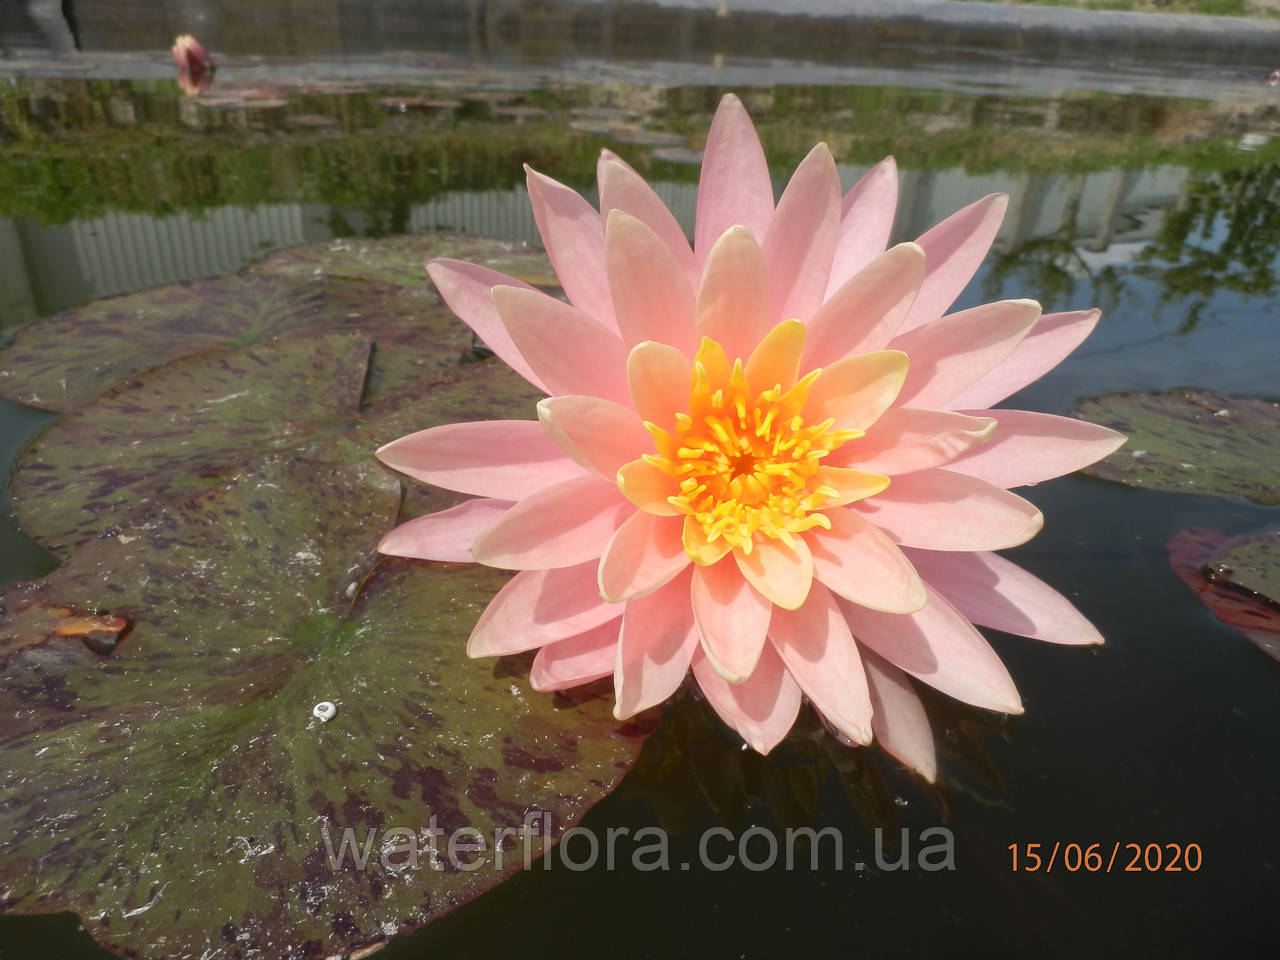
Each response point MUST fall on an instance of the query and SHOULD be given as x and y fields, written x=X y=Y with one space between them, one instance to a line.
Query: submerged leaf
x=176 y=791
x=1191 y=441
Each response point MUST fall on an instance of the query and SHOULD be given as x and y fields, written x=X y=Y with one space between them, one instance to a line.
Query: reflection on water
x=1144 y=205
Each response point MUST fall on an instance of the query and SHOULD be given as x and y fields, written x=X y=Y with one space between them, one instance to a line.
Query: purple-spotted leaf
x=1191 y=441
x=377 y=289
x=177 y=791
x=1203 y=559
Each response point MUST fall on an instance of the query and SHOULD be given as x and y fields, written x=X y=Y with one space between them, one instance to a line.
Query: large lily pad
x=372 y=288
x=1191 y=441
x=182 y=426
x=1199 y=557
x=176 y=791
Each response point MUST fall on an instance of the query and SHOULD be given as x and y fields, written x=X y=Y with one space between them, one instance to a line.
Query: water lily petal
x=577 y=660
x=732 y=619
x=573 y=235
x=782 y=574
x=1053 y=337
x=643 y=555
x=762 y=708
x=858 y=561
x=701 y=550
x=866 y=220
x=735 y=186
x=815 y=644
x=993 y=591
x=561 y=526
x=849 y=485
x=1030 y=447
x=954 y=249
x=801 y=239
x=506 y=459
x=776 y=360
x=655 y=647
x=867 y=311
x=855 y=391
x=445 y=536
x=648 y=487
x=651 y=294
x=898 y=719
x=467 y=289
x=905 y=440
x=939 y=646
x=621 y=188
x=537 y=607
x=733 y=298
x=570 y=352
x=941 y=510
x=951 y=354
x=598 y=434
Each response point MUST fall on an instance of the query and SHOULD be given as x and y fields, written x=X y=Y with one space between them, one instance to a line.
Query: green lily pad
x=1239 y=595
x=372 y=288
x=1252 y=564
x=1191 y=441
x=177 y=791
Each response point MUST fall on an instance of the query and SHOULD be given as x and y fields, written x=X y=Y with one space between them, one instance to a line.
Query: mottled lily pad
x=1253 y=564
x=372 y=288
x=1197 y=556
x=176 y=791
x=1191 y=441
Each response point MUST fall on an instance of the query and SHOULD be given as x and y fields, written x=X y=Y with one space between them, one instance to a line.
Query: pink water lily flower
x=769 y=457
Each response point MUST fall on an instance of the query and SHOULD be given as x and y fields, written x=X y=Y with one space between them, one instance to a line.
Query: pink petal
x=899 y=721
x=939 y=646
x=538 y=607
x=569 y=351
x=506 y=459
x=621 y=188
x=657 y=641
x=561 y=526
x=954 y=249
x=801 y=238
x=659 y=378
x=733 y=298
x=905 y=440
x=992 y=591
x=857 y=560
x=1029 y=447
x=940 y=510
x=1053 y=337
x=732 y=619
x=735 y=187
x=818 y=650
x=577 y=660
x=782 y=575
x=644 y=554
x=866 y=220
x=598 y=434
x=466 y=288
x=762 y=708
x=953 y=353
x=855 y=391
x=866 y=312
x=574 y=237
x=651 y=292
x=446 y=535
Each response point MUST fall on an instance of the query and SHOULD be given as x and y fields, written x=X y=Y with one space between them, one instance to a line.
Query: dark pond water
x=1161 y=211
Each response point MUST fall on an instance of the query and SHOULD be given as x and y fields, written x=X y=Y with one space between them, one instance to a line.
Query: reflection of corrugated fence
x=128 y=251
x=122 y=251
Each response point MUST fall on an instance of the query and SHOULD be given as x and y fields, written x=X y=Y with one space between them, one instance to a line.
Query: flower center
x=744 y=458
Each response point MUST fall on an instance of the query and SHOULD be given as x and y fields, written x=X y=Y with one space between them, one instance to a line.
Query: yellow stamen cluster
x=746 y=461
